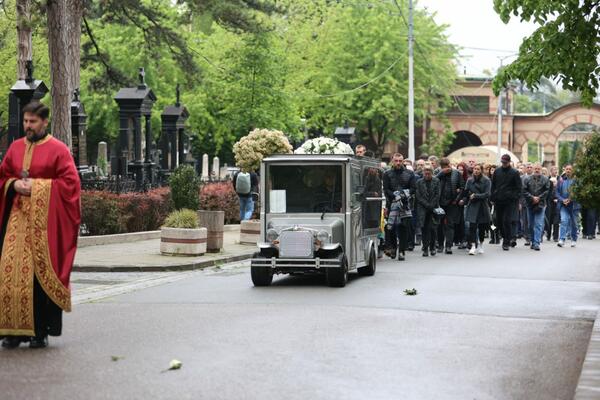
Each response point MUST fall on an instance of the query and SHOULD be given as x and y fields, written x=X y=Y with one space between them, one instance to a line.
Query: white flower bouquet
x=324 y=145
x=252 y=148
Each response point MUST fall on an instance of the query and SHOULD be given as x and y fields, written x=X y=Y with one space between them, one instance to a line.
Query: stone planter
x=182 y=241
x=249 y=231
x=214 y=222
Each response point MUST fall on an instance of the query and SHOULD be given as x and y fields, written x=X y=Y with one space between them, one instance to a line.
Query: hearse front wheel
x=261 y=276
x=338 y=276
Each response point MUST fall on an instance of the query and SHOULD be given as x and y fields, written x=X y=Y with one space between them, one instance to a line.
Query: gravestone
x=215 y=168
x=102 y=160
x=345 y=134
x=78 y=134
x=205 y=172
x=133 y=151
x=173 y=134
x=22 y=93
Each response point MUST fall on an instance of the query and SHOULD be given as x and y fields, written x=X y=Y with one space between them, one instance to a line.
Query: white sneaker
x=473 y=250
x=480 y=248
x=560 y=243
x=573 y=244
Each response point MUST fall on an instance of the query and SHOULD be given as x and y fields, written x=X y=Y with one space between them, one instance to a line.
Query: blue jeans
x=568 y=221
x=535 y=219
x=246 y=207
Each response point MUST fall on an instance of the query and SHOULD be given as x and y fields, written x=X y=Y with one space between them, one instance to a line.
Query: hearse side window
x=372 y=180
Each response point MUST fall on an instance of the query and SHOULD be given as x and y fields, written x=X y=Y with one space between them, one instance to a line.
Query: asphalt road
x=503 y=325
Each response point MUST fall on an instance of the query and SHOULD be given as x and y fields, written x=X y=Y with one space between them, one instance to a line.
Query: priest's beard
x=34 y=136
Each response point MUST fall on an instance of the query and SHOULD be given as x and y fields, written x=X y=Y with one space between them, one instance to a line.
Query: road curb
x=588 y=387
x=162 y=268
x=100 y=240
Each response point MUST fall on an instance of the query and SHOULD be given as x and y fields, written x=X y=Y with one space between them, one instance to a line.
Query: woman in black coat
x=427 y=198
x=476 y=196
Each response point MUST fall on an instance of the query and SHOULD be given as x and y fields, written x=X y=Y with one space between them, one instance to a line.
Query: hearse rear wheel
x=338 y=276
x=261 y=276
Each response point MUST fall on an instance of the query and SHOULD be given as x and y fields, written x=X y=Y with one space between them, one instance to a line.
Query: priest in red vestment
x=39 y=225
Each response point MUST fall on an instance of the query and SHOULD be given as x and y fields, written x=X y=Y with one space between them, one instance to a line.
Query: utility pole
x=499 y=127
x=411 y=89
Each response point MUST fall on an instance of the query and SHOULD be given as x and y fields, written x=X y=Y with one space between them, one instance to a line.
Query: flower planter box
x=182 y=241
x=249 y=232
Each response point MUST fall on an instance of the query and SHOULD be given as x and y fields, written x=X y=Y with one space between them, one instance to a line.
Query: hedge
x=105 y=213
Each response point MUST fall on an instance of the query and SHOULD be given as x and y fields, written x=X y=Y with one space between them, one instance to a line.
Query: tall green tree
x=244 y=91
x=357 y=70
x=565 y=45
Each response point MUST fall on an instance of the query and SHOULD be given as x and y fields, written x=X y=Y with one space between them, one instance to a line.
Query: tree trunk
x=24 y=47
x=60 y=68
x=75 y=8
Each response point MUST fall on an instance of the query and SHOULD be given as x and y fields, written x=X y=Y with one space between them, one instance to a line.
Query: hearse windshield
x=304 y=188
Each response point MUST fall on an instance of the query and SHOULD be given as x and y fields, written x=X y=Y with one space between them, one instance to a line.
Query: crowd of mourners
x=440 y=206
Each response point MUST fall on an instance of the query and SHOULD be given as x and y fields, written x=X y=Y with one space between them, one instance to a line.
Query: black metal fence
x=114 y=184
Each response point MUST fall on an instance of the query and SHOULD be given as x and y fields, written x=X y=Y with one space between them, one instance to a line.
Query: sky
x=474 y=25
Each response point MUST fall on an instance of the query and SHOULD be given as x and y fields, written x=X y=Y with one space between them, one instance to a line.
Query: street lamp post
x=500 y=109
x=411 y=91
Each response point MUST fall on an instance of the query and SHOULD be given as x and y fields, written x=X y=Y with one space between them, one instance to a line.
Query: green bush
x=101 y=213
x=587 y=173
x=105 y=213
x=184 y=218
x=185 y=187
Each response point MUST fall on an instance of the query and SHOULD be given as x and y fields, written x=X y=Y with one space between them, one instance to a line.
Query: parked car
x=321 y=215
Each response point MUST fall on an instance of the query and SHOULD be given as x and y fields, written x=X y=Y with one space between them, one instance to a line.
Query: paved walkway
x=145 y=256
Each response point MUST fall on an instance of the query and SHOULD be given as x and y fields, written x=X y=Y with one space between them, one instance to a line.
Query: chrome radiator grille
x=296 y=244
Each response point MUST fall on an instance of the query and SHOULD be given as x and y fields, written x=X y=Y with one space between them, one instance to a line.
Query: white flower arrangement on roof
x=324 y=145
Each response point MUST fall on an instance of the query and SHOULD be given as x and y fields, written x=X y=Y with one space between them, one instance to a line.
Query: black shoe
x=440 y=249
x=461 y=246
x=527 y=243
x=448 y=250
x=513 y=243
x=536 y=247
x=12 y=342
x=392 y=254
x=400 y=256
x=410 y=248
x=591 y=237
x=505 y=246
x=425 y=253
x=38 y=342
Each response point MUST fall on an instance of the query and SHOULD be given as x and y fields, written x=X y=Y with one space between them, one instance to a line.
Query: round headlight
x=323 y=237
x=272 y=235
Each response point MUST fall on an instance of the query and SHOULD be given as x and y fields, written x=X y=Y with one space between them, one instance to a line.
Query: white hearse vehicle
x=319 y=214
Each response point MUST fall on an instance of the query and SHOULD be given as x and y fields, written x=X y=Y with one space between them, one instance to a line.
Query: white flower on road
x=175 y=364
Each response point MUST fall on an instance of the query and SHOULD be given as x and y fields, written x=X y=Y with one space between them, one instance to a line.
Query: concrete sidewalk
x=144 y=256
